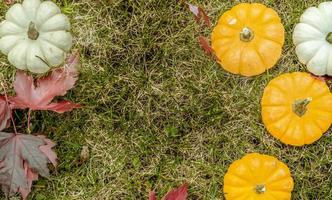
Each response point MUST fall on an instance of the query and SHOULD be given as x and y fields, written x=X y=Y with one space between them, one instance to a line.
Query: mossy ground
x=158 y=112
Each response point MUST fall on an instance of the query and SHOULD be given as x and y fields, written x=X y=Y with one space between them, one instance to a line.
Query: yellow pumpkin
x=258 y=177
x=297 y=108
x=248 y=39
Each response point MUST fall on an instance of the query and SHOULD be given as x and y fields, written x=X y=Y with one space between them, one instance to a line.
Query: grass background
x=158 y=112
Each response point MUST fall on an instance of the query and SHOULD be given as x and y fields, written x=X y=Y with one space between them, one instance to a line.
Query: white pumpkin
x=313 y=39
x=35 y=36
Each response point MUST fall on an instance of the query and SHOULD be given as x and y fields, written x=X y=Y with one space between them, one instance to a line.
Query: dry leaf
x=38 y=94
x=199 y=12
x=179 y=193
x=205 y=45
x=22 y=158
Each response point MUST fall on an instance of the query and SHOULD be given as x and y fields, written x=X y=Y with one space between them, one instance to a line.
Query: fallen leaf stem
x=29 y=120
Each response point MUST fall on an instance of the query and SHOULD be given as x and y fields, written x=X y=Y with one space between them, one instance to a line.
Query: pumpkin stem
x=260 y=189
x=246 y=34
x=33 y=34
x=300 y=106
x=329 y=37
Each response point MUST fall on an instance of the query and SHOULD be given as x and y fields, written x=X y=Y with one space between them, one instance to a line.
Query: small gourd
x=35 y=36
x=297 y=108
x=313 y=39
x=258 y=177
x=248 y=39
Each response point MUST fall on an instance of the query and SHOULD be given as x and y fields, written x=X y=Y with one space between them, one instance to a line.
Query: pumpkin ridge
x=227 y=13
x=223 y=53
x=287 y=127
x=309 y=87
x=294 y=82
x=10 y=53
x=329 y=63
x=26 y=56
x=226 y=52
x=271 y=173
x=248 y=166
x=274 y=14
x=276 y=120
x=271 y=21
x=309 y=42
x=259 y=15
x=229 y=27
x=263 y=37
x=41 y=24
x=240 y=177
x=247 y=187
x=22 y=29
x=275 y=105
x=316 y=26
x=217 y=46
x=281 y=191
x=315 y=54
x=14 y=34
x=280 y=180
x=18 y=40
x=240 y=65
x=272 y=196
x=316 y=36
x=224 y=37
x=320 y=109
x=241 y=6
x=323 y=129
x=229 y=44
x=17 y=25
x=316 y=97
x=260 y=56
x=49 y=17
x=319 y=135
x=304 y=133
x=35 y=9
x=278 y=87
x=295 y=142
x=44 y=56
x=241 y=195
x=66 y=26
x=51 y=43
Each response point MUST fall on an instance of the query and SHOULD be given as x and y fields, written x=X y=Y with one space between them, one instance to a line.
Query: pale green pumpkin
x=35 y=36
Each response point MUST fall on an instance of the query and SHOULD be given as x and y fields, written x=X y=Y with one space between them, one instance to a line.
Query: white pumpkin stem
x=33 y=34
x=246 y=34
x=260 y=189
x=300 y=106
x=329 y=37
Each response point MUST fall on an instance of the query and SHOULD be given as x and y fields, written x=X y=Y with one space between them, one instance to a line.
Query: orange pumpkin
x=258 y=177
x=248 y=39
x=297 y=108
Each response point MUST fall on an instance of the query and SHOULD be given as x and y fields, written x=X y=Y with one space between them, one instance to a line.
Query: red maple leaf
x=203 y=42
x=179 y=193
x=22 y=158
x=199 y=12
x=38 y=94
x=30 y=176
x=152 y=195
x=5 y=113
